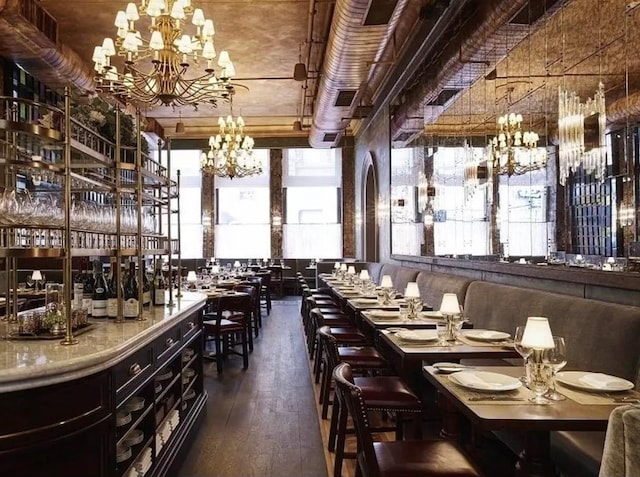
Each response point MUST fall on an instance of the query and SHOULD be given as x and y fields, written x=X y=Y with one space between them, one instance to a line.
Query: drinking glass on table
x=556 y=358
x=442 y=331
x=539 y=375
x=522 y=351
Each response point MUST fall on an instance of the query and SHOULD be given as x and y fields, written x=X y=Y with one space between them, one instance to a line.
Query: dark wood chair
x=265 y=290
x=227 y=328
x=413 y=458
x=252 y=323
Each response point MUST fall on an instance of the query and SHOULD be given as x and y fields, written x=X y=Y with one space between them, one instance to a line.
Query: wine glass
x=557 y=358
x=522 y=351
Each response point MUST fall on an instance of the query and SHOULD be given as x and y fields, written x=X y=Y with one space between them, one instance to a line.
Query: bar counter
x=26 y=364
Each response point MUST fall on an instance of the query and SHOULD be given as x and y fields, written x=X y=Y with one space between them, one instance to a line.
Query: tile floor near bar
x=262 y=422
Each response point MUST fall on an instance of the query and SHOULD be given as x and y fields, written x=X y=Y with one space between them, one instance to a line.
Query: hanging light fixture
x=513 y=151
x=171 y=51
x=230 y=151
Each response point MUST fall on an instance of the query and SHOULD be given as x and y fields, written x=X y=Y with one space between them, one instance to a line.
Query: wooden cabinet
x=135 y=415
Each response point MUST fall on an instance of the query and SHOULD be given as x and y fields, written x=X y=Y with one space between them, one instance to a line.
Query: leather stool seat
x=422 y=459
x=362 y=357
x=347 y=335
x=387 y=393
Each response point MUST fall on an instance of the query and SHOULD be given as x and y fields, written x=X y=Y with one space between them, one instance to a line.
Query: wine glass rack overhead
x=87 y=195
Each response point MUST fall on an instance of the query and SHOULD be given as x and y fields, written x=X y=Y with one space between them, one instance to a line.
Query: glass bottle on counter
x=146 y=289
x=112 y=300
x=131 y=293
x=100 y=291
x=159 y=286
x=78 y=287
x=87 y=292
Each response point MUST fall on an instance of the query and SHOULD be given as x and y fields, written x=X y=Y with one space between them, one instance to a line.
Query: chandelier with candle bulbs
x=513 y=151
x=230 y=151
x=173 y=53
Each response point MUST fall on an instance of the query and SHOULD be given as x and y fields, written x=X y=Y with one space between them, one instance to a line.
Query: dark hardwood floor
x=262 y=422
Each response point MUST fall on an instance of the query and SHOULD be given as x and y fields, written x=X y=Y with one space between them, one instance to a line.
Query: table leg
x=535 y=459
x=451 y=419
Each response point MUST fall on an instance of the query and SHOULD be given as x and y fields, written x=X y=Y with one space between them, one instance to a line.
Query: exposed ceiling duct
x=483 y=41
x=359 y=34
x=624 y=109
x=29 y=37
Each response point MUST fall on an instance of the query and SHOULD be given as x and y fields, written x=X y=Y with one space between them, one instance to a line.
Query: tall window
x=188 y=162
x=243 y=227
x=312 y=180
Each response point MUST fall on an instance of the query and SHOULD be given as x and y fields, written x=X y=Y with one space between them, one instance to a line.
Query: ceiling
x=464 y=62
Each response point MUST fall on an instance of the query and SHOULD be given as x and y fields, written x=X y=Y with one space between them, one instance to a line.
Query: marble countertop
x=26 y=364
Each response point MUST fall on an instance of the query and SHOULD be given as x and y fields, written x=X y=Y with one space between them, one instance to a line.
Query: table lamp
x=386 y=281
x=336 y=265
x=450 y=309
x=192 y=278
x=412 y=291
x=351 y=270
x=537 y=336
x=36 y=276
x=414 y=302
x=364 y=275
x=236 y=264
x=215 y=270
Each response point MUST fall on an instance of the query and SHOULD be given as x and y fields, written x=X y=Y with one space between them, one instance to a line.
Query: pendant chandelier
x=158 y=70
x=514 y=152
x=230 y=151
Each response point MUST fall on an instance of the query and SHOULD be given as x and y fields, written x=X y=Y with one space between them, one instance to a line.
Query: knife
x=494 y=398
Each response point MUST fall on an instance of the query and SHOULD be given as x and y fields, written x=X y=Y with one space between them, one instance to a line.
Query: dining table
x=511 y=411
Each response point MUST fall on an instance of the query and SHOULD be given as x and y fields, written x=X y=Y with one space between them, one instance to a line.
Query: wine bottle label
x=112 y=307
x=146 y=297
x=131 y=308
x=86 y=303
x=159 y=296
x=99 y=308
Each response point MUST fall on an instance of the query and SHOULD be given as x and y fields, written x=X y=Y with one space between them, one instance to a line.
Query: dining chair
x=253 y=290
x=227 y=328
x=407 y=458
x=265 y=290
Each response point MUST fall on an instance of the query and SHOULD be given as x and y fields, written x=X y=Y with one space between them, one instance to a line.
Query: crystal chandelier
x=572 y=151
x=230 y=151
x=514 y=152
x=170 y=51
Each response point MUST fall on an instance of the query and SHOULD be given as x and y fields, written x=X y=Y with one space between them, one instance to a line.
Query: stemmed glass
x=539 y=374
x=557 y=359
x=522 y=351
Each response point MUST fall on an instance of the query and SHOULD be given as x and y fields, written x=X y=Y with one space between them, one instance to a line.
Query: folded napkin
x=471 y=379
x=598 y=380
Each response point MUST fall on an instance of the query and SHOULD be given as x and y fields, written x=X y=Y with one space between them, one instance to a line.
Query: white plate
x=593 y=381
x=430 y=314
x=486 y=335
x=446 y=368
x=385 y=314
x=417 y=336
x=365 y=301
x=350 y=292
x=485 y=381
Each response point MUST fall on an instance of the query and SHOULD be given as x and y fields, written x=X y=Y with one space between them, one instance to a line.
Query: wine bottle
x=100 y=291
x=131 y=293
x=78 y=287
x=146 y=289
x=159 y=286
x=112 y=300
x=87 y=292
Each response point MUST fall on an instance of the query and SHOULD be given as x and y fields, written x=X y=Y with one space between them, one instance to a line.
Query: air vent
x=531 y=12
x=444 y=96
x=345 y=97
x=330 y=137
x=362 y=111
x=380 y=12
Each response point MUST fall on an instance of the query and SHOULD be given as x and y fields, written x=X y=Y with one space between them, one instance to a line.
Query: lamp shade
x=191 y=276
x=386 y=281
x=215 y=269
x=537 y=333
x=336 y=265
x=300 y=72
x=351 y=270
x=236 y=264
x=179 y=127
x=449 y=304
x=343 y=267
x=364 y=275
x=36 y=275
x=412 y=290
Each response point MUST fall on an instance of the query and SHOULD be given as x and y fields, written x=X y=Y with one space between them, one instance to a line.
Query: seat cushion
x=347 y=335
x=577 y=453
x=362 y=357
x=387 y=393
x=226 y=326
x=422 y=459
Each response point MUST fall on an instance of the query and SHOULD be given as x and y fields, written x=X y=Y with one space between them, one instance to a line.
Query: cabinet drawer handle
x=191 y=325
x=169 y=342
x=134 y=369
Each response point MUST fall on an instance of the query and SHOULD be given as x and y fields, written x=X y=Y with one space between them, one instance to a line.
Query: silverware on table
x=494 y=398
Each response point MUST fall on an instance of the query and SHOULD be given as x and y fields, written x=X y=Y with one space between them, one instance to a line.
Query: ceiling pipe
x=624 y=109
x=352 y=50
x=480 y=44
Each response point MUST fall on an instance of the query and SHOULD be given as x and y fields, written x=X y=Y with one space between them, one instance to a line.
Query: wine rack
x=68 y=192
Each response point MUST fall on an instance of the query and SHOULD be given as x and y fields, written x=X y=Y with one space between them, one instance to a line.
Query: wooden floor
x=262 y=422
